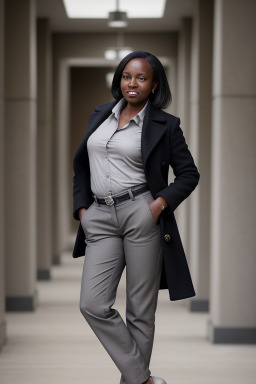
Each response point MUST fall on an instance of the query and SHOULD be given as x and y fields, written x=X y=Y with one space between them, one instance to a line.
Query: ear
x=154 y=85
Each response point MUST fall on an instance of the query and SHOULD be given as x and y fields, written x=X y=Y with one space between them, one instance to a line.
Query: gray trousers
x=117 y=236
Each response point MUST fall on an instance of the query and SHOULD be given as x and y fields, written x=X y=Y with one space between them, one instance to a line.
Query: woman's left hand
x=155 y=207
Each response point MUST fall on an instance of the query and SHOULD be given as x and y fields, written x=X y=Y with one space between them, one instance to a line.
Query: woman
x=125 y=207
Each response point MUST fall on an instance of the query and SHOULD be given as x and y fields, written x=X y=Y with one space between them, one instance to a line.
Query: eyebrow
x=143 y=73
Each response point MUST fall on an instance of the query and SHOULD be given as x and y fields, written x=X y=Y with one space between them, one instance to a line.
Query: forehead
x=138 y=65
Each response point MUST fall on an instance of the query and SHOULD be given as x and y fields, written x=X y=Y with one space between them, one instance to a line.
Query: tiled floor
x=54 y=345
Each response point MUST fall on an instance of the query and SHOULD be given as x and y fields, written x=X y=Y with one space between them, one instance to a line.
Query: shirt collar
x=138 y=119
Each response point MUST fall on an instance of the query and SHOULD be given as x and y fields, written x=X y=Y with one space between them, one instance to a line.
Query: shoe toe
x=158 y=380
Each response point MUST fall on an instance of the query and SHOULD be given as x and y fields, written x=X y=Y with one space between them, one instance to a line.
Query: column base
x=21 y=303
x=2 y=334
x=231 y=335
x=43 y=274
x=199 y=305
x=56 y=260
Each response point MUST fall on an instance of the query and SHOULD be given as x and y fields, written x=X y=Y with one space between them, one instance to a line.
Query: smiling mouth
x=132 y=93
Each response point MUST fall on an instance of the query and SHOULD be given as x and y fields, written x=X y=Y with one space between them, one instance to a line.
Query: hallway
x=55 y=345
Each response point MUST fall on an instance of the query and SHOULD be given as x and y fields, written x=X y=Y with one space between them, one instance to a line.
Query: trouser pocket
x=148 y=198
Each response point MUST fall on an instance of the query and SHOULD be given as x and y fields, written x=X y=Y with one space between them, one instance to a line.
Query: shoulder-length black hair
x=162 y=97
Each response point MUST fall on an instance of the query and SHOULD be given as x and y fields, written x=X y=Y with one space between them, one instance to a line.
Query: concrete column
x=233 y=210
x=2 y=289
x=62 y=210
x=200 y=140
x=44 y=154
x=20 y=154
x=183 y=111
x=171 y=73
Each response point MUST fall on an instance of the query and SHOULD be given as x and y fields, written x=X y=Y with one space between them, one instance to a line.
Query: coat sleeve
x=184 y=169
x=81 y=180
x=78 y=201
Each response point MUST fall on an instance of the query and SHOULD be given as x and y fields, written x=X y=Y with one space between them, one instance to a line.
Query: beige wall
x=94 y=45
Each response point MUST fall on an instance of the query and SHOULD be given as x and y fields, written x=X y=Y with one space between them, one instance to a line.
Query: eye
x=142 y=78
x=126 y=77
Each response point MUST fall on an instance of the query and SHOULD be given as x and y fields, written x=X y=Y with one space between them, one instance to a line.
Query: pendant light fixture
x=117 y=18
x=120 y=50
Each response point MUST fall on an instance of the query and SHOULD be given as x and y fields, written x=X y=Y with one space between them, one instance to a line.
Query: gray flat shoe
x=158 y=380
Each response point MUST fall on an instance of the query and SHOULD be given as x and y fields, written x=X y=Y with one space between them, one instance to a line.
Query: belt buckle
x=109 y=200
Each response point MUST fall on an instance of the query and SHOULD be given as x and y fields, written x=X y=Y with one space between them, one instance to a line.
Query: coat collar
x=153 y=128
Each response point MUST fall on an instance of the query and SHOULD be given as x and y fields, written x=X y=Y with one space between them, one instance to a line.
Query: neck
x=132 y=109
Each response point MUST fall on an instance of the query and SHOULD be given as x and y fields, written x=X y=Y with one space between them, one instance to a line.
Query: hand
x=81 y=212
x=155 y=207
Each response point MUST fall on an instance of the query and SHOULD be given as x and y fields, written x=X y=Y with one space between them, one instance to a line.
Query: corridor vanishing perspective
x=55 y=344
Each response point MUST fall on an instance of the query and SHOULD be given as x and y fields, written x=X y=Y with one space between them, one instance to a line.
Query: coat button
x=167 y=238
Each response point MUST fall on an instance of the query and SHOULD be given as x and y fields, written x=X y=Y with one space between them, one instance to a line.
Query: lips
x=132 y=93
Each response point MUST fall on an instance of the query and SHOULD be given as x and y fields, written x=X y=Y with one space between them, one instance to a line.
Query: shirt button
x=107 y=175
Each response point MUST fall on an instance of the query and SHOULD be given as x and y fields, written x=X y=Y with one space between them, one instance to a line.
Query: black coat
x=162 y=143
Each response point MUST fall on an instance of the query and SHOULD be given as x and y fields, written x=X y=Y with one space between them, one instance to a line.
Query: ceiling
x=174 y=12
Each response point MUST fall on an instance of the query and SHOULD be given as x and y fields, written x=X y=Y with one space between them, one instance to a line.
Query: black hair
x=162 y=97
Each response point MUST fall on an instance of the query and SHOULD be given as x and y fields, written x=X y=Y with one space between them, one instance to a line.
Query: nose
x=132 y=83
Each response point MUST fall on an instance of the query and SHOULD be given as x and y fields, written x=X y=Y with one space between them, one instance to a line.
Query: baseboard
x=21 y=303
x=2 y=334
x=231 y=335
x=56 y=260
x=43 y=274
x=199 y=305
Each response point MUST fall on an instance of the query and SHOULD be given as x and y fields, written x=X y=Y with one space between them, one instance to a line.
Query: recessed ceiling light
x=123 y=52
x=99 y=9
x=117 y=53
x=110 y=54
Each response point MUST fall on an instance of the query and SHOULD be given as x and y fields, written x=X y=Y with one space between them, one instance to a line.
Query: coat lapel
x=152 y=131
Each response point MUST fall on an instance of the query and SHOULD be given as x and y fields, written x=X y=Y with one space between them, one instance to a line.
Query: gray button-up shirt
x=115 y=155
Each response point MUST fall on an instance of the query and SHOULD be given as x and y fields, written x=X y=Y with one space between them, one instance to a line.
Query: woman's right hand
x=81 y=212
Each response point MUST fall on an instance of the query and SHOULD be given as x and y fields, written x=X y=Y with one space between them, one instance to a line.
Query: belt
x=112 y=200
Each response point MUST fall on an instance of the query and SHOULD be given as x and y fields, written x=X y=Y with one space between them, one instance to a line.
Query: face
x=137 y=82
